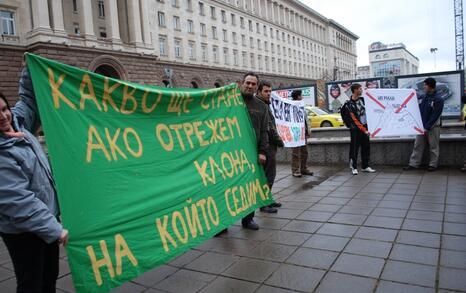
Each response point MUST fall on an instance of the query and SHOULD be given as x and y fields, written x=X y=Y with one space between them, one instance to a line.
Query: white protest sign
x=392 y=112
x=289 y=118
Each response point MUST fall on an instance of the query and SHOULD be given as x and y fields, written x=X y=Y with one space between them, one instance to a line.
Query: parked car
x=320 y=118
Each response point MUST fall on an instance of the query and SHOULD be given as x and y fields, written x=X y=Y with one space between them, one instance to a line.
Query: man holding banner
x=260 y=122
x=358 y=131
x=264 y=93
x=431 y=107
x=299 y=154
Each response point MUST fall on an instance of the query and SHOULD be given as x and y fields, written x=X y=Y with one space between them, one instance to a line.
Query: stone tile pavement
x=391 y=231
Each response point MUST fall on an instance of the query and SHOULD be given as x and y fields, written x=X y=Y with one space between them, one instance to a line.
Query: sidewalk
x=391 y=231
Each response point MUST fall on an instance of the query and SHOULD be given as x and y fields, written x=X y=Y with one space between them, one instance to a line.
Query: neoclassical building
x=178 y=43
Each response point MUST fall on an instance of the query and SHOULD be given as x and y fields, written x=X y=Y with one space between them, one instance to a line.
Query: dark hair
x=431 y=82
x=296 y=93
x=6 y=101
x=264 y=83
x=355 y=86
x=250 y=73
x=463 y=98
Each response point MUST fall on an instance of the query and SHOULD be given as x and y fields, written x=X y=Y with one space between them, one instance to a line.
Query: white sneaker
x=354 y=171
x=368 y=170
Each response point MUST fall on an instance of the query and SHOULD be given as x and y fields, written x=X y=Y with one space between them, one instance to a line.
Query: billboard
x=340 y=91
x=450 y=85
x=309 y=93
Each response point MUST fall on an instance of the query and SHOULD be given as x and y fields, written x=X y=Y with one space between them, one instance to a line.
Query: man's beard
x=247 y=95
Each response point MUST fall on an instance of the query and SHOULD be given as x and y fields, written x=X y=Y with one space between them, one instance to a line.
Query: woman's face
x=5 y=117
x=335 y=92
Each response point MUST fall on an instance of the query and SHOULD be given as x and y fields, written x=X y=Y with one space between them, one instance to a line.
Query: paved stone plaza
x=391 y=231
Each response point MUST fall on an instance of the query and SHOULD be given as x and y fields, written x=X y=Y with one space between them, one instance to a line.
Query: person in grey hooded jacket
x=29 y=210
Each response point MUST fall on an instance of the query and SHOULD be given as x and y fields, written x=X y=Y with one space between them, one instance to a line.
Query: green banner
x=143 y=173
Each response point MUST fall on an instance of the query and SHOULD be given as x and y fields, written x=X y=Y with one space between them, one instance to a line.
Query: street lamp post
x=434 y=51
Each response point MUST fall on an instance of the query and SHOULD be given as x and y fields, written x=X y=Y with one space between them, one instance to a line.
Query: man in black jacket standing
x=463 y=100
x=431 y=107
x=358 y=131
x=260 y=122
x=264 y=93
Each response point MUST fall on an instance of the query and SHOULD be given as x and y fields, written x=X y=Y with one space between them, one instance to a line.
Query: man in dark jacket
x=431 y=107
x=463 y=100
x=260 y=122
x=358 y=131
x=264 y=92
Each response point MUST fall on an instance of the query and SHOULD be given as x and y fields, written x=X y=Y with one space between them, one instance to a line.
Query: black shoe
x=307 y=172
x=275 y=205
x=463 y=169
x=431 y=169
x=409 y=168
x=268 y=210
x=251 y=226
x=221 y=232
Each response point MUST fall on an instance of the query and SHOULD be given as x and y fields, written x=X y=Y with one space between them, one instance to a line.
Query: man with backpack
x=353 y=113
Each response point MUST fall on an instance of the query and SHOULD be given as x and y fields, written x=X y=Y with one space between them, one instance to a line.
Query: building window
x=259 y=62
x=75 y=6
x=264 y=29
x=191 y=50
x=258 y=28
x=272 y=47
x=251 y=42
x=235 y=57
x=225 y=36
x=377 y=56
x=176 y=23
x=214 y=32
x=204 y=52
x=175 y=3
x=177 y=48
x=266 y=46
x=267 y=65
x=203 y=30
x=250 y=25
x=215 y=53
x=76 y=28
x=271 y=33
x=162 y=46
x=189 y=5
x=102 y=32
x=224 y=16
x=161 y=17
x=243 y=55
x=233 y=19
x=212 y=12
x=253 y=61
x=243 y=40
x=101 y=9
x=201 y=9
x=234 y=37
x=225 y=56
x=259 y=44
x=190 y=26
x=241 y=21
x=7 y=23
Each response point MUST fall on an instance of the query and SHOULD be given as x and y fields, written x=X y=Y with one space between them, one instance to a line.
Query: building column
x=134 y=22
x=40 y=16
x=272 y=11
x=86 y=22
x=57 y=16
x=111 y=21
x=145 y=23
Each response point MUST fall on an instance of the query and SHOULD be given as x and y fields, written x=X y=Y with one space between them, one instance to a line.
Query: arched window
x=194 y=85
x=217 y=84
x=107 y=70
x=166 y=83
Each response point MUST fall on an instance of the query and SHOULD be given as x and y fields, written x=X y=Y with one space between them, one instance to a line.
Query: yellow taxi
x=320 y=118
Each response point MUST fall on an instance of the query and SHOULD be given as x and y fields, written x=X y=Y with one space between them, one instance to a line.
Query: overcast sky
x=419 y=24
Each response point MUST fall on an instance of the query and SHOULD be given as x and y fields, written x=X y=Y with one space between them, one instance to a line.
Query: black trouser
x=271 y=165
x=359 y=139
x=35 y=262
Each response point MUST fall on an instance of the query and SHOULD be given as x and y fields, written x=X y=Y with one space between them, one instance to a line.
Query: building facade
x=391 y=60
x=363 y=72
x=178 y=43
